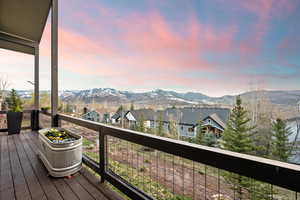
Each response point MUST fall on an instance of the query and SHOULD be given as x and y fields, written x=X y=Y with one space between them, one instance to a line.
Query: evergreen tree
x=141 y=125
x=280 y=143
x=199 y=134
x=237 y=137
x=131 y=106
x=209 y=139
x=85 y=110
x=173 y=132
x=160 y=128
x=120 y=109
x=68 y=108
x=263 y=135
x=105 y=118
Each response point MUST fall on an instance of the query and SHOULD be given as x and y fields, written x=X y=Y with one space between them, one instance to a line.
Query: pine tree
x=237 y=137
x=280 y=143
x=131 y=106
x=263 y=135
x=68 y=108
x=199 y=135
x=160 y=128
x=141 y=125
x=120 y=109
x=209 y=139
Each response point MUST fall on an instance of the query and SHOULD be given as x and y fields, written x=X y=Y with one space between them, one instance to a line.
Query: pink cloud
x=145 y=48
x=148 y=41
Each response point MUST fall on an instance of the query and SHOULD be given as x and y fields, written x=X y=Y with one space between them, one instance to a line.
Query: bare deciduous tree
x=3 y=86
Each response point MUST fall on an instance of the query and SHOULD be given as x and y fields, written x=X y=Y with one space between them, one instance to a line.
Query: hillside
x=164 y=97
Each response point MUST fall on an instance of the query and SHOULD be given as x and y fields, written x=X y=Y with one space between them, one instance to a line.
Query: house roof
x=22 y=24
x=217 y=119
x=187 y=115
x=146 y=114
x=92 y=111
x=119 y=114
x=191 y=115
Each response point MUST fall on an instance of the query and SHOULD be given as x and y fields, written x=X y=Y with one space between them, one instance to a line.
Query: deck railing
x=145 y=166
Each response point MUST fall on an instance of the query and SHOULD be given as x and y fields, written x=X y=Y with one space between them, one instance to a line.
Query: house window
x=191 y=129
x=209 y=121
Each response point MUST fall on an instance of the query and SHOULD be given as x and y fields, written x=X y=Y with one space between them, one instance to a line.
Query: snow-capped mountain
x=164 y=97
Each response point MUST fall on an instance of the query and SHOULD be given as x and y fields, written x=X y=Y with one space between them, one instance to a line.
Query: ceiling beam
x=17 y=40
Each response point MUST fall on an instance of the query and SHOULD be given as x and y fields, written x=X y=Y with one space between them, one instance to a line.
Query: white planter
x=60 y=159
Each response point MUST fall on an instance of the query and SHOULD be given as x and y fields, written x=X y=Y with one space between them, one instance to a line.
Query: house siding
x=184 y=130
x=130 y=117
x=211 y=122
x=295 y=158
x=93 y=116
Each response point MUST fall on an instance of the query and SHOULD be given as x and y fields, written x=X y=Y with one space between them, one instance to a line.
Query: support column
x=36 y=78
x=54 y=62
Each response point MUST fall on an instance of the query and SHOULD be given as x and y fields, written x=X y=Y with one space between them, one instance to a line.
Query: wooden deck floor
x=23 y=176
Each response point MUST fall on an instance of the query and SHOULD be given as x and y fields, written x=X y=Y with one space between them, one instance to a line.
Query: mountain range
x=164 y=97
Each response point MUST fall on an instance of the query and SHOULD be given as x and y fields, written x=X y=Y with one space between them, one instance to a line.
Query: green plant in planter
x=14 y=102
x=14 y=114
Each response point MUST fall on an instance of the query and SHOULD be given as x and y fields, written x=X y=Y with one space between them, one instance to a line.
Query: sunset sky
x=216 y=47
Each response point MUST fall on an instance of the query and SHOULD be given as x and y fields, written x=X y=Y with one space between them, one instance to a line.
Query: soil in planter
x=59 y=137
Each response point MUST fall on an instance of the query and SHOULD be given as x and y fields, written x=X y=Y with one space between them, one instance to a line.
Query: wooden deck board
x=23 y=175
x=20 y=184
x=6 y=182
x=50 y=190
x=35 y=188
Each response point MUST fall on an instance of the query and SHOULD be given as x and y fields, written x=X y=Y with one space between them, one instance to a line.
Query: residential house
x=294 y=138
x=130 y=118
x=92 y=115
x=186 y=119
x=106 y=118
x=118 y=117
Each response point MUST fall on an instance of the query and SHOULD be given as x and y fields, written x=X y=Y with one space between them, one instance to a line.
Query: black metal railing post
x=102 y=153
x=56 y=121
x=34 y=120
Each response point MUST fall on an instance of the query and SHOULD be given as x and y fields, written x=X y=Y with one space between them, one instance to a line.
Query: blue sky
x=216 y=47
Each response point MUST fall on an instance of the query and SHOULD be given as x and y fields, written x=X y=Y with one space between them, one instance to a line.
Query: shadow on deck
x=23 y=175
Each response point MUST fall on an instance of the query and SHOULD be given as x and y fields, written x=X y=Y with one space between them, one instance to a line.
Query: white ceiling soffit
x=22 y=23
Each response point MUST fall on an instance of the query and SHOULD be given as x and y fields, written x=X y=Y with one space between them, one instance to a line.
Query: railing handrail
x=33 y=120
x=24 y=111
x=271 y=171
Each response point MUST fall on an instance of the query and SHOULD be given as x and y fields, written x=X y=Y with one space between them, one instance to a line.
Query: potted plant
x=45 y=109
x=14 y=114
x=61 y=151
